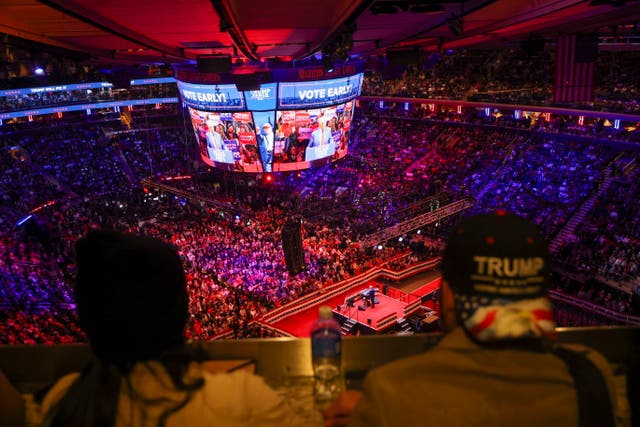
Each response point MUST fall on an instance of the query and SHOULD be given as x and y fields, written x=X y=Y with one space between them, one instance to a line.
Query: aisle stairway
x=126 y=168
x=428 y=154
x=498 y=172
x=569 y=229
x=488 y=186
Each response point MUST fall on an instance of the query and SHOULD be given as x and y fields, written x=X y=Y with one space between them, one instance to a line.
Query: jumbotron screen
x=280 y=127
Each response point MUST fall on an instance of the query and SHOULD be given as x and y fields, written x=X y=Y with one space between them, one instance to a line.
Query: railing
x=611 y=116
x=626 y=285
x=192 y=196
x=387 y=320
x=594 y=308
x=86 y=106
x=276 y=332
x=559 y=135
x=416 y=222
x=33 y=367
x=420 y=206
x=411 y=307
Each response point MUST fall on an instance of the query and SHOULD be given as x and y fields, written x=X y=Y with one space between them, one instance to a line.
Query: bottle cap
x=325 y=312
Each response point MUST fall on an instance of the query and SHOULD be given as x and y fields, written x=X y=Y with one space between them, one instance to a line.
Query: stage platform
x=390 y=306
x=298 y=325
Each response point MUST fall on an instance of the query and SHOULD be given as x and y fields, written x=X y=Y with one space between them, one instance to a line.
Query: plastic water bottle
x=326 y=351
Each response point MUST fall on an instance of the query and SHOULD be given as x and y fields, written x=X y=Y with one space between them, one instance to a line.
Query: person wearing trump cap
x=497 y=363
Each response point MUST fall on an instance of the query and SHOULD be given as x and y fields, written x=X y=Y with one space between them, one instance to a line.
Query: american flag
x=575 y=68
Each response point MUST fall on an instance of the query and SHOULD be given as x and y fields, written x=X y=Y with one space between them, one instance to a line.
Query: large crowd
x=556 y=126
x=235 y=266
x=508 y=76
x=505 y=76
x=607 y=243
x=84 y=172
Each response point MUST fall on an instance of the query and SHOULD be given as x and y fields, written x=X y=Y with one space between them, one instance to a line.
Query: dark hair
x=133 y=305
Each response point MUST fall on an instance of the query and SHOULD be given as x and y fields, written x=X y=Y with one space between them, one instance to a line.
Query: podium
x=315 y=153
x=220 y=155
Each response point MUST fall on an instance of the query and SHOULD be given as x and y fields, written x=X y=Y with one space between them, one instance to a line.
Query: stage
x=374 y=308
x=298 y=325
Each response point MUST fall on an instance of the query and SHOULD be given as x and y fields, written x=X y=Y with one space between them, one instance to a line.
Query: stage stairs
x=348 y=327
x=405 y=326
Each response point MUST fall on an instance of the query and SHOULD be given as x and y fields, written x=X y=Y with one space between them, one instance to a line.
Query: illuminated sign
x=263 y=98
x=83 y=86
x=208 y=97
x=60 y=88
x=319 y=93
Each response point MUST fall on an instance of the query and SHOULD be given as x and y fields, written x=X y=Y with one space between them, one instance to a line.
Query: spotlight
x=39 y=71
x=379 y=247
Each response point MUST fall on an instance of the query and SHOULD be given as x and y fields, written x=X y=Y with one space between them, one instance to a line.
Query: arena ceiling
x=173 y=31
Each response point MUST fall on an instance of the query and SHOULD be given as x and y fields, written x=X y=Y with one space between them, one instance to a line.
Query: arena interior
x=531 y=107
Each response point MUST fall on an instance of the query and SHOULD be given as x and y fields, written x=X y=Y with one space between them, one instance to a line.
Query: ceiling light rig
x=389 y=7
x=237 y=36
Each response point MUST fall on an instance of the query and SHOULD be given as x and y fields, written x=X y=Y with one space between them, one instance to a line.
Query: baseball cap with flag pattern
x=496 y=260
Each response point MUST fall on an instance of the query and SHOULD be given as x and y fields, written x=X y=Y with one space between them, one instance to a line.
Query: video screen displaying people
x=283 y=126
x=227 y=140
x=307 y=136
